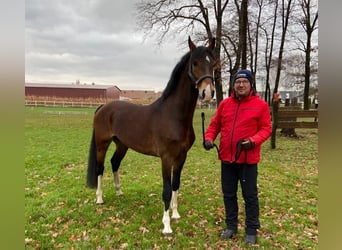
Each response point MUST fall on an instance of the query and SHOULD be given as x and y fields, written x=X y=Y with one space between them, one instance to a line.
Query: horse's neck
x=184 y=100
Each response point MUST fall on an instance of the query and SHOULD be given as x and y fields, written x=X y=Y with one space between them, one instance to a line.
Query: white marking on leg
x=166 y=221
x=99 y=199
x=117 y=183
x=174 y=205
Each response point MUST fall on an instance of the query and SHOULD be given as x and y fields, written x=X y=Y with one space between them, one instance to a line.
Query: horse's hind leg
x=100 y=156
x=117 y=157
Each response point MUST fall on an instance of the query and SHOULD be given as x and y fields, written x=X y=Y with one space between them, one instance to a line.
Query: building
x=72 y=91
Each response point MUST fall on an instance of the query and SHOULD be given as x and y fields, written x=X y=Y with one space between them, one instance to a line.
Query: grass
x=60 y=212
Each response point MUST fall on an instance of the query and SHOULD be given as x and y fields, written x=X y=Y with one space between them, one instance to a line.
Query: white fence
x=73 y=104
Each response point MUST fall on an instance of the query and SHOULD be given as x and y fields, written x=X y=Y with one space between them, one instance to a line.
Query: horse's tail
x=92 y=164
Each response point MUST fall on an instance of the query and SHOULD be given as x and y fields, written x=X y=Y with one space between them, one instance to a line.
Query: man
x=244 y=121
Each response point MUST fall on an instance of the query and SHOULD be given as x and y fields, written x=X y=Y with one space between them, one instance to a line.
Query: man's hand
x=208 y=144
x=247 y=144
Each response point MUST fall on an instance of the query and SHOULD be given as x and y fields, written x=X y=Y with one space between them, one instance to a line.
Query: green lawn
x=60 y=212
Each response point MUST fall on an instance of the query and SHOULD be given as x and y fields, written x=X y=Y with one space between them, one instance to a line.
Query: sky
x=94 y=41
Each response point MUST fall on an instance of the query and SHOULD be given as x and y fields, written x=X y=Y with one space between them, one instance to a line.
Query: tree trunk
x=217 y=52
x=243 y=32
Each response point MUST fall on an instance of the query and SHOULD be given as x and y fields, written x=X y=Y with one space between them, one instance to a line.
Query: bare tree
x=285 y=15
x=309 y=24
x=235 y=41
x=269 y=53
x=193 y=16
x=256 y=28
x=254 y=35
x=261 y=30
x=244 y=31
x=240 y=45
x=243 y=24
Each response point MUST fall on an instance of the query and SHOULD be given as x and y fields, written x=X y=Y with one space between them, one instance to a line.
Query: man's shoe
x=228 y=233
x=250 y=239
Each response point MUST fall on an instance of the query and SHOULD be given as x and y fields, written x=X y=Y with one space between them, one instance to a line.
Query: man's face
x=242 y=87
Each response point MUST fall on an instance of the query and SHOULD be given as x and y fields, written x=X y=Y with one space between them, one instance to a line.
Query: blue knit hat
x=244 y=73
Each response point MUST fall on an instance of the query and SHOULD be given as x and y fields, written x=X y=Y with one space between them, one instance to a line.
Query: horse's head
x=201 y=69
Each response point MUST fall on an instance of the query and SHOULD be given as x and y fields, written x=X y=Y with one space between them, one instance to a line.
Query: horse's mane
x=177 y=71
x=174 y=79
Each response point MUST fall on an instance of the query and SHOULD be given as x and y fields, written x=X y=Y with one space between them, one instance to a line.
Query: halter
x=192 y=77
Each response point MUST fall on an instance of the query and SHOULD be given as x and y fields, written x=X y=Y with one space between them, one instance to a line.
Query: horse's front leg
x=167 y=193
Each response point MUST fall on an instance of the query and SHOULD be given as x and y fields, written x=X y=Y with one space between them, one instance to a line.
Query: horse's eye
x=195 y=63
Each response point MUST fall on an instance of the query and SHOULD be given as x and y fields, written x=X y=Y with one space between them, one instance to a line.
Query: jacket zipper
x=231 y=140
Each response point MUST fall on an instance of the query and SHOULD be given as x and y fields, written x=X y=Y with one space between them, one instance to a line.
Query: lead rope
x=237 y=155
x=244 y=168
x=217 y=150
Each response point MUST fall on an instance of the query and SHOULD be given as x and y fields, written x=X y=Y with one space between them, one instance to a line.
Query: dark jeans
x=231 y=174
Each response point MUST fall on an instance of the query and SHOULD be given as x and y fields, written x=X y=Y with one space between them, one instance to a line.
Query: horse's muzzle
x=207 y=94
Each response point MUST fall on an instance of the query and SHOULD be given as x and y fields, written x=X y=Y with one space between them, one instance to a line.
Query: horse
x=163 y=128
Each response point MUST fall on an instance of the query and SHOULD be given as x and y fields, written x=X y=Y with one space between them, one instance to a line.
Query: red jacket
x=248 y=118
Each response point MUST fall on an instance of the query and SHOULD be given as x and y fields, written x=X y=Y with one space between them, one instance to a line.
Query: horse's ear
x=212 y=43
x=192 y=46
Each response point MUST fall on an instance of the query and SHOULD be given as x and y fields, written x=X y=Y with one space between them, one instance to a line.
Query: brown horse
x=163 y=128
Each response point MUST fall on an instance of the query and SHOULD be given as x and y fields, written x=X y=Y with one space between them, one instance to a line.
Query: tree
x=248 y=34
x=269 y=45
x=241 y=52
x=234 y=37
x=285 y=15
x=309 y=24
x=254 y=35
x=191 y=17
x=243 y=25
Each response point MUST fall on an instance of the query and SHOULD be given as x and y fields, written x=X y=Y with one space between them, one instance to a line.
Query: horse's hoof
x=168 y=235
x=175 y=218
x=99 y=202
